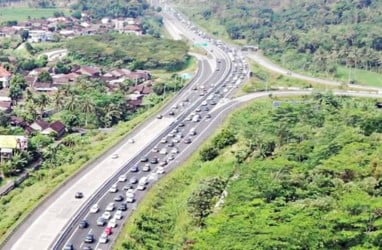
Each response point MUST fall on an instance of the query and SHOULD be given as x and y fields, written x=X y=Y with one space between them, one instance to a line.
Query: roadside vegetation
x=321 y=37
x=302 y=173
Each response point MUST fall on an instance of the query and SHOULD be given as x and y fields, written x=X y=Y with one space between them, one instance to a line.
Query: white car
x=94 y=209
x=160 y=170
x=110 y=207
x=113 y=188
x=114 y=156
x=103 y=239
x=112 y=223
x=122 y=178
x=174 y=151
x=141 y=187
x=131 y=140
x=106 y=215
x=163 y=151
x=118 y=215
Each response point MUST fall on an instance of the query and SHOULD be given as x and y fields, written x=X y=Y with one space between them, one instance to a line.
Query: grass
x=25 y=13
x=360 y=76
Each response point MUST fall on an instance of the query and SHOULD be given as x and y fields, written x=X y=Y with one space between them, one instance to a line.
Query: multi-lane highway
x=55 y=223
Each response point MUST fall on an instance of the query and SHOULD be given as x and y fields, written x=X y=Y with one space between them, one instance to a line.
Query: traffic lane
x=79 y=237
x=109 y=197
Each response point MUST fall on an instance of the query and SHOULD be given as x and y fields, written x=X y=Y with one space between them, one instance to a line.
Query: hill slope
x=311 y=35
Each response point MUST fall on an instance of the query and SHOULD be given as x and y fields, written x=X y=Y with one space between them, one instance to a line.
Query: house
x=5 y=77
x=9 y=143
x=134 y=29
x=139 y=76
x=6 y=106
x=17 y=122
x=89 y=71
x=142 y=89
x=57 y=128
x=134 y=104
x=39 y=125
x=36 y=36
x=44 y=87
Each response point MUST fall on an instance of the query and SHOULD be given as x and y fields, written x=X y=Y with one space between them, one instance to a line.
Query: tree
x=209 y=153
x=44 y=76
x=159 y=88
x=24 y=35
x=88 y=107
x=42 y=101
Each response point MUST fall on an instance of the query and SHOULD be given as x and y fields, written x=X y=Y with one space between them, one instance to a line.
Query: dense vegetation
x=133 y=51
x=102 y=8
x=317 y=36
x=304 y=174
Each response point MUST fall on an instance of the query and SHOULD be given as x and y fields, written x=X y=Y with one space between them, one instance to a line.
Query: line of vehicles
x=103 y=218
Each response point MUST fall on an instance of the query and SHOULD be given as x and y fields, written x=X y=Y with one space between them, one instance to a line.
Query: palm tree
x=42 y=101
x=87 y=106
x=18 y=161
x=59 y=100
x=112 y=111
x=71 y=104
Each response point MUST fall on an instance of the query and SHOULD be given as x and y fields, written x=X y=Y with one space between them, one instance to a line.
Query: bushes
x=223 y=139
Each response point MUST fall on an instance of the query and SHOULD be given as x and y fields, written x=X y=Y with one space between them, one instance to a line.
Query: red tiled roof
x=4 y=72
x=57 y=126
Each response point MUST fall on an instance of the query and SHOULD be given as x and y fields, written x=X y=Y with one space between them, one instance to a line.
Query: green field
x=25 y=13
x=360 y=76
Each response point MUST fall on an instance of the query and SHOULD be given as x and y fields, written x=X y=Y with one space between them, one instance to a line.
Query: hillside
x=303 y=174
x=307 y=35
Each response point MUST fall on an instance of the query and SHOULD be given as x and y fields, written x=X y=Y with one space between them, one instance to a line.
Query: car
x=175 y=140
x=170 y=144
x=114 y=156
x=201 y=93
x=108 y=230
x=101 y=221
x=127 y=187
x=106 y=215
x=160 y=170
x=131 y=140
x=110 y=207
x=159 y=116
x=171 y=157
x=194 y=88
x=187 y=141
x=133 y=180
x=141 y=187
x=68 y=246
x=189 y=118
x=130 y=198
x=181 y=124
x=144 y=159
x=175 y=130
x=208 y=116
x=94 y=209
x=163 y=141
x=113 y=189
x=213 y=102
x=171 y=135
x=163 y=163
x=79 y=195
x=146 y=168
x=87 y=248
x=192 y=132
x=83 y=224
x=118 y=198
x=103 y=238
x=122 y=207
x=112 y=223
x=154 y=160
x=204 y=103
x=174 y=151
x=163 y=151
x=122 y=178
x=179 y=136
x=134 y=169
x=118 y=215
x=198 y=110
x=155 y=149
x=206 y=109
x=171 y=113
x=89 y=238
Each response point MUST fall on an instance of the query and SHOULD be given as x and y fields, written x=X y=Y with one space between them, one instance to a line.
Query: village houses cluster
x=51 y=29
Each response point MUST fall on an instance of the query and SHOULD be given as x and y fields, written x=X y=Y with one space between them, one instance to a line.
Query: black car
x=154 y=161
x=187 y=141
x=122 y=207
x=118 y=198
x=79 y=195
x=89 y=238
x=208 y=116
x=127 y=187
x=134 y=169
x=83 y=224
x=171 y=144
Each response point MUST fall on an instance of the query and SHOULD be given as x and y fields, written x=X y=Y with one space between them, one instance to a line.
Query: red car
x=108 y=230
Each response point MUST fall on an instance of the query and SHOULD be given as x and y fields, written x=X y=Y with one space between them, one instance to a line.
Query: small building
x=9 y=143
x=6 y=106
x=39 y=125
x=57 y=128
x=89 y=71
x=5 y=77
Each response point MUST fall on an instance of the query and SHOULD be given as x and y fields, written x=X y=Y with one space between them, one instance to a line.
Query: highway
x=167 y=151
x=54 y=223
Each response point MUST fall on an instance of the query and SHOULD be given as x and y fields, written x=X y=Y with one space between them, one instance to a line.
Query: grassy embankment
x=294 y=183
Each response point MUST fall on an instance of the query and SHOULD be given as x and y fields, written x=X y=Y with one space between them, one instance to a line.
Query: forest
x=302 y=173
x=118 y=50
x=307 y=35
